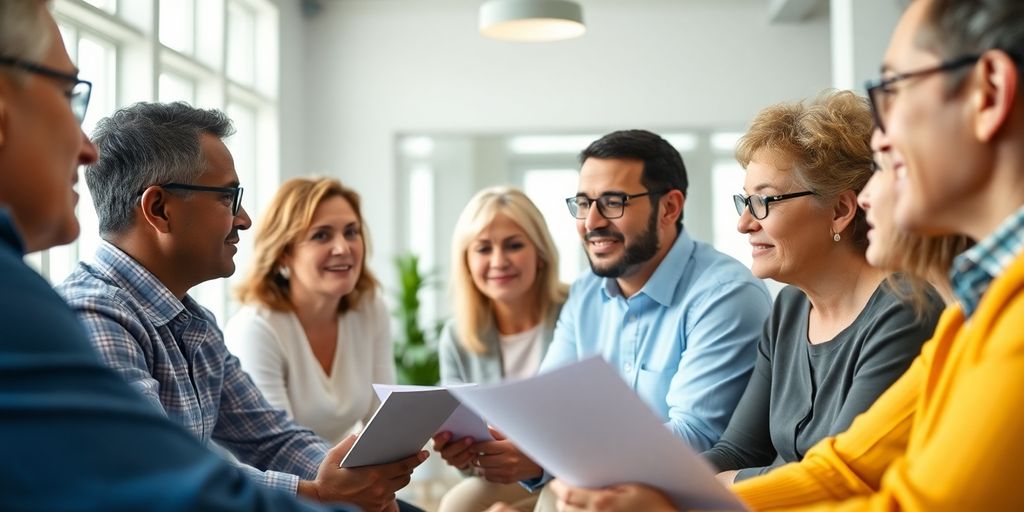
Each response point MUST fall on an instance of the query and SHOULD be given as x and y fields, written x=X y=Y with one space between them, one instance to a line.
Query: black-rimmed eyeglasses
x=610 y=205
x=234 y=193
x=881 y=90
x=80 y=92
x=758 y=205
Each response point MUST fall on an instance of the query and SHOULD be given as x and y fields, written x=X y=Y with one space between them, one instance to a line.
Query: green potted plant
x=416 y=360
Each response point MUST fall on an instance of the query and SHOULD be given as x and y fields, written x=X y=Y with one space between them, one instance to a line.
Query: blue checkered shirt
x=173 y=352
x=977 y=267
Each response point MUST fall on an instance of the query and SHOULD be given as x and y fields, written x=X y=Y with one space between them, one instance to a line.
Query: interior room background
x=406 y=102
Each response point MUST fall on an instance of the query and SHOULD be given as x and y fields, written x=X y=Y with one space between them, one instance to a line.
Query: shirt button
x=628 y=367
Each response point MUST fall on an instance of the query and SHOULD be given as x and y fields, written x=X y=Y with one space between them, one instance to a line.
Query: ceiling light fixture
x=531 y=20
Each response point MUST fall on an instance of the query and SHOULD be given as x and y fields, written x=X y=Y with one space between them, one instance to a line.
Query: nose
x=594 y=219
x=864 y=198
x=243 y=220
x=88 y=154
x=340 y=245
x=880 y=141
x=498 y=258
x=747 y=223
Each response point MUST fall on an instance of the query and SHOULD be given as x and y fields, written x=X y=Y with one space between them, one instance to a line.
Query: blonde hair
x=473 y=313
x=828 y=140
x=924 y=260
x=284 y=222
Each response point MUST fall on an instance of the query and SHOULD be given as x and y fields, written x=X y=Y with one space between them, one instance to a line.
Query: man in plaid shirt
x=169 y=205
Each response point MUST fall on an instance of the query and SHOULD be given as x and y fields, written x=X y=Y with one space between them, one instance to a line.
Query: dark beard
x=640 y=251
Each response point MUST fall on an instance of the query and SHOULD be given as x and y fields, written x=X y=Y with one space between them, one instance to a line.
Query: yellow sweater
x=949 y=435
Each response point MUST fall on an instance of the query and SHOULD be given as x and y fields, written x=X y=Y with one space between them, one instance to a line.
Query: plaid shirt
x=977 y=267
x=173 y=352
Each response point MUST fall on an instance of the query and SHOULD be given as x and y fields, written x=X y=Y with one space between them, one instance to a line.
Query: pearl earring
x=836 y=237
x=284 y=272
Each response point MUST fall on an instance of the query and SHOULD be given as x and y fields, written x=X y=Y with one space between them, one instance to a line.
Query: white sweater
x=275 y=352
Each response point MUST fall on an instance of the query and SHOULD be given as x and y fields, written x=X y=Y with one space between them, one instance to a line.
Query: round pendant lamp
x=531 y=20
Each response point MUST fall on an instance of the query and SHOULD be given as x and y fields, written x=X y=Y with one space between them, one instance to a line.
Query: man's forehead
x=610 y=174
x=904 y=48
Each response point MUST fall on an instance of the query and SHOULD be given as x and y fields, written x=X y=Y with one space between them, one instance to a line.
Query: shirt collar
x=159 y=304
x=9 y=232
x=975 y=269
x=661 y=286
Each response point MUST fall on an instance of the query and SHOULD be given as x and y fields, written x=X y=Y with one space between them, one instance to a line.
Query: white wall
x=860 y=35
x=376 y=68
x=292 y=49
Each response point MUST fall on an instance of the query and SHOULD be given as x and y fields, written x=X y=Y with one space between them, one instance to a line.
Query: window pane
x=243 y=149
x=421 y=214
x=107 y=5
x=70 y=36
x=175 y=87
x=727 y=180
x=421 y=235
x=177 y=25
x=548 y=188
x=97 y=60
x=241 y=43
x=549 y=144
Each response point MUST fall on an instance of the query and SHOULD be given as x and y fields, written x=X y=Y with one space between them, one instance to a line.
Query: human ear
x=674 y=201
x=844 y=210
x=992 y=98
x=153 y=209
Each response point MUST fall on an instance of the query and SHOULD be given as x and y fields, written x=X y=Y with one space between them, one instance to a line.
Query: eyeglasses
x=235 y=193
x=80 y=92
x=611 y=205
x=881 y=91
x=758 y=205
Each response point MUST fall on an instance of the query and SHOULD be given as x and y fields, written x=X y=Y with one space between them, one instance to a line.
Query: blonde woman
x=507 y=297
x=314 y=333
x=925 y=260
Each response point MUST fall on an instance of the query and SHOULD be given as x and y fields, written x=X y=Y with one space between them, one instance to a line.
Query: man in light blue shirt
x=678 y=319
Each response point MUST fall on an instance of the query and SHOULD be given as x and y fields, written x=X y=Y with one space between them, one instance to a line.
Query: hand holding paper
x=586 y=426
x=500 y=461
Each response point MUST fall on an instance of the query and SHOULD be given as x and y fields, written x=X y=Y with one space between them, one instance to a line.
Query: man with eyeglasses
x=679 y=320
x=169 y=205
x=72 y=433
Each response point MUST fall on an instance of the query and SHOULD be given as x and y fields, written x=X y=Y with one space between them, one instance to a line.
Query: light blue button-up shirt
x=686 y=342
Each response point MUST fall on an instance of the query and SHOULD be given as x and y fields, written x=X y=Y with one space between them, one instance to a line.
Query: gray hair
x=953 y=28
x=23 y=32
x=143 y=145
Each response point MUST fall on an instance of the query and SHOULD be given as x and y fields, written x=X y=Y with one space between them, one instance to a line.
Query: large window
x=176 y=50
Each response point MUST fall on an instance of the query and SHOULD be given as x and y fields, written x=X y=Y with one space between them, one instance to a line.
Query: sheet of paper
x=583 y=424
x=463 y=422
x=401 y=426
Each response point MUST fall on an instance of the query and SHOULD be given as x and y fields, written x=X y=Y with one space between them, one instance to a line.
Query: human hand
x=626 y=497
x=455 y=452
x=372 y=488
x=727 y=477
x=501 y=462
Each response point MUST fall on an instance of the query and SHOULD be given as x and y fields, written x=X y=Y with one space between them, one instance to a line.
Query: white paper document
x=407 y=418
x=583 y=424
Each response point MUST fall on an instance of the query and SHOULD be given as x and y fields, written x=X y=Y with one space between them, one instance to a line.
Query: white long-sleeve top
x=275 y=352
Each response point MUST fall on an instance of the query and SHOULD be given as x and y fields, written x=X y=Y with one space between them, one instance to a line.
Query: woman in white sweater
x=314 y=333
